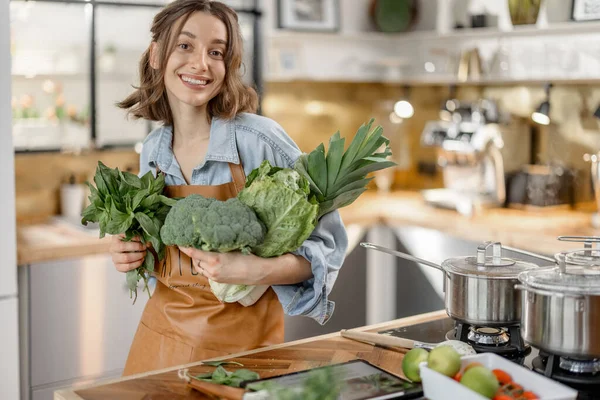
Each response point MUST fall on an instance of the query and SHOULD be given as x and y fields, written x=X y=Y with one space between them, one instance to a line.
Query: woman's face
x=195 y=70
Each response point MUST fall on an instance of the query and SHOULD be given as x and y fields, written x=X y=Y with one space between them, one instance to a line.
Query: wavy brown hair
x=149 y=100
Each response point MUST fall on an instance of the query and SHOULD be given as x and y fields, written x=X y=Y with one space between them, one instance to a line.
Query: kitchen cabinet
x=120 y=45
x=78 y=321
x=65 y=88
x=50 y=75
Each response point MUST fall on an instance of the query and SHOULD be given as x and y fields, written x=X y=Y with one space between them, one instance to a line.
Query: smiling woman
x=209 y=142
x=206 y=38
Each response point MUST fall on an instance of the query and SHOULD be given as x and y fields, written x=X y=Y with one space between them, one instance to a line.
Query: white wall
x=9 y=361
x=8 y=271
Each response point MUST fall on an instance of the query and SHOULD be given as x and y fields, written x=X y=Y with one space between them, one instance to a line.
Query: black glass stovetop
x=436 y=331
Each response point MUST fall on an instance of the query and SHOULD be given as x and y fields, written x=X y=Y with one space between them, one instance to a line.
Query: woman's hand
x=127 y=255
x=241 y=269
x=233 y=267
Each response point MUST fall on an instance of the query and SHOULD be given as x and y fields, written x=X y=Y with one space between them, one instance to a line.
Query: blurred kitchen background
x=487 y=103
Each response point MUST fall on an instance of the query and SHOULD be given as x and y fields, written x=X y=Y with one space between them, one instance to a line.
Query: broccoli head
x=212 y=225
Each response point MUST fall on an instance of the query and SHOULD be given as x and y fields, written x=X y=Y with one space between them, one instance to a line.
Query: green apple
x=445 y=360
x=481 y=380
x=411 y=361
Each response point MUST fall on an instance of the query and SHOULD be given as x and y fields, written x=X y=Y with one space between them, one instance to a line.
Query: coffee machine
x=468 y=143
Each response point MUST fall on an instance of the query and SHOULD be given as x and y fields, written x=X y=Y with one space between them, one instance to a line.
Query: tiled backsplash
x=40 y=175
x=311 y=112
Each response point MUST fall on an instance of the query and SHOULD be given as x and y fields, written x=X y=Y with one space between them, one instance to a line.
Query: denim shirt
x=256 y=138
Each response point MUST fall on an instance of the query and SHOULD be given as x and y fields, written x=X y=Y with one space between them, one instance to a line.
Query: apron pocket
x=151 y=351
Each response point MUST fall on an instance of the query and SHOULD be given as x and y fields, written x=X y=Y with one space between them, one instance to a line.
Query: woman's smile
x=195 y=82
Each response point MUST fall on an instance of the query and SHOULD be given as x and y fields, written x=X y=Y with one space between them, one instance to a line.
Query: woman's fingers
x=117 y=245
x=128 y=266
x=125 y=258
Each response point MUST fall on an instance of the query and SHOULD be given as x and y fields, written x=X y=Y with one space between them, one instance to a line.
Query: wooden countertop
x=275 y=360
x=530 y=230
x=535 y=231
x=57 y=239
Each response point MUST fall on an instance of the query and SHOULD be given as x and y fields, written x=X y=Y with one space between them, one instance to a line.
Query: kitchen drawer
x=81 y=320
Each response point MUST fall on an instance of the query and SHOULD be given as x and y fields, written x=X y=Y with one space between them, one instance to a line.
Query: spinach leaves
x=121 y=202
x=223 y=377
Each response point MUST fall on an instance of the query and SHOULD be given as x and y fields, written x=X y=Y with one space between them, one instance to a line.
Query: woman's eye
x=217 y=53
x=183 y=46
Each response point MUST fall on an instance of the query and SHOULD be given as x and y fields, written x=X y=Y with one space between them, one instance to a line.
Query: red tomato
x=502 y=376
x=503 y=397
x=530 y=395
x=457 y=376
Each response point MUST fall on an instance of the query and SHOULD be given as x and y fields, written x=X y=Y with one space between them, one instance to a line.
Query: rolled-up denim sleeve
x=325 y=249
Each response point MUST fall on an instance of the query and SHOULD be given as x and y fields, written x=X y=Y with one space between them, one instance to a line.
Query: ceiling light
x=403 y=108
x=542 y=113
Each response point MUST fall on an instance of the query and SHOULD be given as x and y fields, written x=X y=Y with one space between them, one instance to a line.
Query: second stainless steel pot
x=561 y=305
x=478 y=290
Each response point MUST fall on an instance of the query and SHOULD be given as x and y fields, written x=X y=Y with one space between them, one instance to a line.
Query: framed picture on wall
x=309 y=15
x=586 y=10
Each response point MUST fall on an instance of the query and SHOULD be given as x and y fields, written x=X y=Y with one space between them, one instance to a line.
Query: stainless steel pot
x=561 y=304
x=478 y=290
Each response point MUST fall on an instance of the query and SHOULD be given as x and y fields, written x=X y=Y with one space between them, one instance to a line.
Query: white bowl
x=440 y=387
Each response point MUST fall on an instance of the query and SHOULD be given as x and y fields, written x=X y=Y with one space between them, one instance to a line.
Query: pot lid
x=484 y=266
x=578 y=271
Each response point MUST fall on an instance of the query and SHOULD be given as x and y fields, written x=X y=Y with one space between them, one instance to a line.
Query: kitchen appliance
x=579 y=374
x=504 y=341
x=468 y=145
x=540 y=186
x=479 y=290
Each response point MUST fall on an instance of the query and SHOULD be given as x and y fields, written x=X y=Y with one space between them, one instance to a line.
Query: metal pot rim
x=526 y=278
x=449 y=268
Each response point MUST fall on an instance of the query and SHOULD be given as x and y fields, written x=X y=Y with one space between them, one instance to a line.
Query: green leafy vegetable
x=279 y=196
x=223 y=377
x=320 y=384
x=123 y=203
x=217 y=363
x=339 y=178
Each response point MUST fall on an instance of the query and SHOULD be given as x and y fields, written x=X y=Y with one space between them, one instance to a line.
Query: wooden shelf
x=362 y=56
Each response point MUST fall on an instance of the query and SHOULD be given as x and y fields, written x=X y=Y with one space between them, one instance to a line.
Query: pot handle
x=401 y=255
x=496 y=252
x=547 y=292
x=529 y=253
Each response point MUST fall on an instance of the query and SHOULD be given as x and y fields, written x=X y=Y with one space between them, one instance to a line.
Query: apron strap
x=238 y=175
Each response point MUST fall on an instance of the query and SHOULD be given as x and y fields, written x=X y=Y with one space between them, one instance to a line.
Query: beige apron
x=184 y=322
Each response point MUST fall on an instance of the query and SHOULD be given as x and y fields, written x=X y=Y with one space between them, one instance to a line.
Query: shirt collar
x=222 y=145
